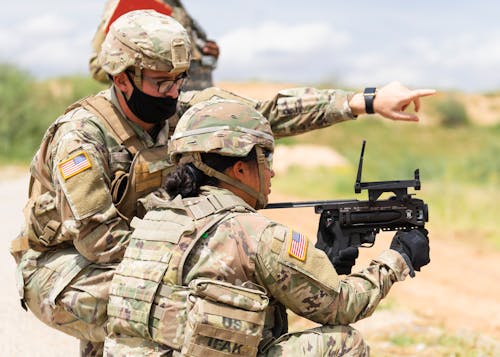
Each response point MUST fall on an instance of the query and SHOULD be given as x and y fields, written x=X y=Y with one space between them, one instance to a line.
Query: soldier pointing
x=108 y=150
x=205 y=274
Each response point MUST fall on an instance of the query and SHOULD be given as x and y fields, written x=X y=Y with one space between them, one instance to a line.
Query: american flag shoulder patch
x=298 y=245
x=74 y=165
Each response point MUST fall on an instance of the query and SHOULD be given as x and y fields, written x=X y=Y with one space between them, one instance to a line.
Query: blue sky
x=443 y=44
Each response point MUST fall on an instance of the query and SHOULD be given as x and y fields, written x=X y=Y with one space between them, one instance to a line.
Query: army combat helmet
x=145 y=39
x=227 y=128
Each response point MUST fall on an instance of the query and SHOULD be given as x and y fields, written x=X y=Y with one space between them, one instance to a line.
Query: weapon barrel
x=305 y=204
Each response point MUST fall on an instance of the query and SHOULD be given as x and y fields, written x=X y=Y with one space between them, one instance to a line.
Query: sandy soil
x=255 y=90
x=458 y=291
x=21 y=334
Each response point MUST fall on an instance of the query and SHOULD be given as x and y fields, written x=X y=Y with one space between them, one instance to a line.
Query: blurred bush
x=28 y=107
x=459 y=161
x=19 y=126
x=459 y=169
x=452 y=112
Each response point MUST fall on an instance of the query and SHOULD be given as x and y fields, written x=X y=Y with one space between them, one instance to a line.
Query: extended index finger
x=417 y=93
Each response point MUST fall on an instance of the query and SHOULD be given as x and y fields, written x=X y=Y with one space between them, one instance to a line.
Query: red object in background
x=125 y=6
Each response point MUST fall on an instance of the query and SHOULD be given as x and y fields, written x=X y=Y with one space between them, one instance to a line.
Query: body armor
x=148 y=297
x=147 y=171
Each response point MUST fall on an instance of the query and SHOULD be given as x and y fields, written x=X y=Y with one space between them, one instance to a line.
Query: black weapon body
x=354 y=223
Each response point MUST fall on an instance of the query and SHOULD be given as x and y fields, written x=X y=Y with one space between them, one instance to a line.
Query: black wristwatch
x=369 y=94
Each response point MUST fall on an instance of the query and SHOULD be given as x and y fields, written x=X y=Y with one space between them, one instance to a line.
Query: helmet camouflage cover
x=145 y=39
x=225 y=127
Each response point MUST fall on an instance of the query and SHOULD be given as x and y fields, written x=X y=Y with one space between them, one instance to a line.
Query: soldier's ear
x=121 y=82
x=239 y=170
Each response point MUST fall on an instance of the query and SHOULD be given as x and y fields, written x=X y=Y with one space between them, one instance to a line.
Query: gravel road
x=458 y=290
x=21 y=334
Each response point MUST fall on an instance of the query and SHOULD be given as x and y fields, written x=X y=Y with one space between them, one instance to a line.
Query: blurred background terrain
x=452 y=307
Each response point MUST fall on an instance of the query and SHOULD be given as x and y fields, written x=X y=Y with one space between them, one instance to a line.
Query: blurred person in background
x=204 y=54
x=110 y=149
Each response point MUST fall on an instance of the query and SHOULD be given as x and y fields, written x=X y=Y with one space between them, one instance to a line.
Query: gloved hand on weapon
x=344 y=259
x=414 y=247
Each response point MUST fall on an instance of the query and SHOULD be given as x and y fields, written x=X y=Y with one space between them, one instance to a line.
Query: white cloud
x=45 y=26
x=46 y=45
x=464 y=60
x=247 y=43
x=277 y=50
x=58 y=54
x=53 y=38
x=35 y=31
x=318 y=52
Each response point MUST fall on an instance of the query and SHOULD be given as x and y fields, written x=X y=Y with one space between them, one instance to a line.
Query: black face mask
x=150 y=109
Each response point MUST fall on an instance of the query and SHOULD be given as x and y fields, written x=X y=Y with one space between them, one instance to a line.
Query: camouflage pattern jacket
x=194 y=30
x=202 y=65
x=242 y=247
x=76 y=174
x=200 y=73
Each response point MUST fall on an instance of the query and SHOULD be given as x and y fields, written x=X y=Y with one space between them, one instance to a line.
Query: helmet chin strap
x=261 y=199
x=138 y=72
x=261 y=167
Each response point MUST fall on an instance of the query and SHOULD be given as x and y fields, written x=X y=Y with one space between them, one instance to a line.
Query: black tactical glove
x=344 y=259
x=414 y=247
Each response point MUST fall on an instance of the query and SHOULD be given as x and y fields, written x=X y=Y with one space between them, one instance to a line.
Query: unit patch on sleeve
x=74 y=165
x=298 y=245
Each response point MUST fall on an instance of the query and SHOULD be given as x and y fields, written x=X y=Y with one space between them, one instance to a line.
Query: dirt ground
x=21 y=334
x=458 y=291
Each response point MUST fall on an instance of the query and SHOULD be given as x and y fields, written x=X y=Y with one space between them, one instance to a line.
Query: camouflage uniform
x=208 y=275
x=202 y=66
x=77 y=216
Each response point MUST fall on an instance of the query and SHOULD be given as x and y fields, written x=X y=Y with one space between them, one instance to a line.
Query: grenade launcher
x=354 y=223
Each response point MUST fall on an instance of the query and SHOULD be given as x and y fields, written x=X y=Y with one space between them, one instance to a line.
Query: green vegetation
x=459 y=164
x=425 y=337
x=16 y=109
x=452 y=112
x=459 y=170
x=432 y=341
x=28 y=107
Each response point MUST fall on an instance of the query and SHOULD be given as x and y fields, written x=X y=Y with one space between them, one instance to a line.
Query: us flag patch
x=74 y=165
x=298 y=246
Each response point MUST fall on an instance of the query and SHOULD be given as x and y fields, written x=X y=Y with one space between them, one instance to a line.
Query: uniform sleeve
x=81 y=179
x=290 y=111
x=302 y=278
x=298 y=110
